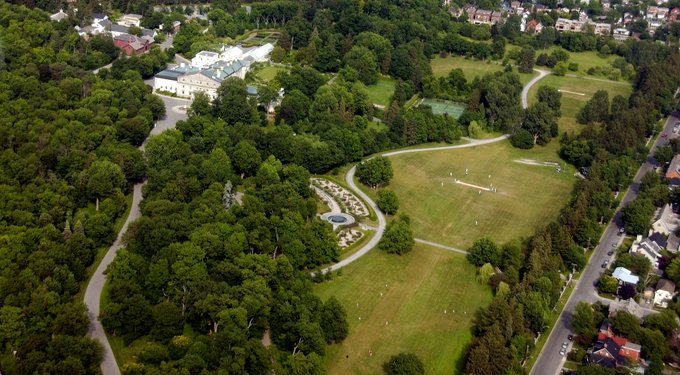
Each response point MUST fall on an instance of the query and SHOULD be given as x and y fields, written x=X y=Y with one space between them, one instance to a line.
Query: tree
x=200 y=106
x=102 y=179
x=246 y=158
x=663 y=154
x=375 y=172
x=398 y=237
x=334 y=321
x=363 y=61
x=484 y=250
x=626 y=324
x=550 y=96
x=294 y=107
x=526 y=60
x=404 y=364
x=387 y=201
x=673 y=270
x=637 y=215
x=540 y=122
x=596 y=109
x=607 y=284
x=231 y=103
x=522 y=139
x=485 y=273
x=583 y=321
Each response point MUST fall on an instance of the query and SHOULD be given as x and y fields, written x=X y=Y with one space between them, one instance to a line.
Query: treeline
x=225 y=244
x=68 y=159
x=505 y=330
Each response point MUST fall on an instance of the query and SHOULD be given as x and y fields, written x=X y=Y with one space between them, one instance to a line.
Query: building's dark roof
x=169 y=74
x=119 y=28
x=106 y=24
x=659 y=238
x=98 y=16
x=606 y=354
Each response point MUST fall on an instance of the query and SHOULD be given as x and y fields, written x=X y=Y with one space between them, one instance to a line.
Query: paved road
x=527 y=87
x=549 y=361
x=93 y=292
x=94 y=288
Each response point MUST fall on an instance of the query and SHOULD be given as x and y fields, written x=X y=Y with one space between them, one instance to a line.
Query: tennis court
x=440 y=107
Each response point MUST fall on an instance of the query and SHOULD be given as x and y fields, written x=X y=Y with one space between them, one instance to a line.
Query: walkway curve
x=527 y=87
x=93 y=292
x=349 y=179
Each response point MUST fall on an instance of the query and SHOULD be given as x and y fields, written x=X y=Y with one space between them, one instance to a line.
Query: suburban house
x=132 y=44
x=60 y=15
x=648 y=248
x=665 y=290
x=482 y=16
x=655 y=13
x=666 y=221
x=674 y=14
x=564 y=24
x=621 y=33
x=130 y=20
x=625 y=276
x=612 y=351
x=534 y=26
x=673 y=172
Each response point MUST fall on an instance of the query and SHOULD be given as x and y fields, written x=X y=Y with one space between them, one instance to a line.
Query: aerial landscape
x=339 y=187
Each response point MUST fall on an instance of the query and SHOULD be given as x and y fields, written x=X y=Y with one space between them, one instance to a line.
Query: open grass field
x=527 y=196
x=470 y=67
x=381 y=92
x=268 y=72
x=420 y=286
x=585 y=60
x=576 y=91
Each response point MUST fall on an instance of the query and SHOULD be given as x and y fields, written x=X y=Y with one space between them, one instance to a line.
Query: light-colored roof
x=132 y=15
x=60 y=15
x=624 y=274
x=207 y=54
x=631 y=346
x=674 y=168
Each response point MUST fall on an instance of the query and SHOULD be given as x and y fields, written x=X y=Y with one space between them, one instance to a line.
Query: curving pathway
x=349 y=179
x=527 y=87
x=93 y=293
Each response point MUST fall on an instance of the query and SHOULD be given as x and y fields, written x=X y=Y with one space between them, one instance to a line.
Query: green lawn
x=381 y=92
x=268 y=72
x=576 y=92
x=585 y=60
x=470 y=67
x=527 y=196
x=420 y=286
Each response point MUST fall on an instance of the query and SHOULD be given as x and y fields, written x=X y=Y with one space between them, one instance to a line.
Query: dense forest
x=68 y=159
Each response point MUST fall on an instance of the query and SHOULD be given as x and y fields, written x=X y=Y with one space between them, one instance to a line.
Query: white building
x=647 y=248
x=204 y=59
x=665 y=290
x=209 y=80
x=166 y=80
x=625 y=276
x=60 y=15
x=130 y=20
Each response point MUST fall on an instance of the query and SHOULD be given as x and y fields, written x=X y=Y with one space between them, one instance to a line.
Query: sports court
x=440 y=107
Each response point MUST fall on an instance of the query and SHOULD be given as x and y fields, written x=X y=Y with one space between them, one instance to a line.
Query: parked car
x=664 y=135
x=563 y=352
x=604 y=265
x=570 y=337
x=610 y=253
x=565 y=344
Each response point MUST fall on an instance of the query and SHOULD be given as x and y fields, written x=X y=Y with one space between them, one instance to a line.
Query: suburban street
x=549 y=360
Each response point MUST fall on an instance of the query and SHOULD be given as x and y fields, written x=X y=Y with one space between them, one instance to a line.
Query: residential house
x=456 y=12
x=613 y=351
x=60 y=15
x=606 y=4
x=673 y=172
x=514 y=5
x=624 y=275
x=621 y=33
x=540 y=8
x=674 y=14
x=655 y=13
x=132 y=44
x=666 y=221
x=534 y=26
x=648 y=248
x=665 y=290
x=130 y=20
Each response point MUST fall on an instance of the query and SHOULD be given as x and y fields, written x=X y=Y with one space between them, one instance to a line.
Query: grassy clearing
x=420 y=286
x=585 y=60
x=381 y=92
x=576 y=92
x=268 y=72
x=527 y=196
x=470 y=67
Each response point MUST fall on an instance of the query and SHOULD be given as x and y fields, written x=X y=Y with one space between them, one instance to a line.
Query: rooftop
x=666 y=285
x=625 y=275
